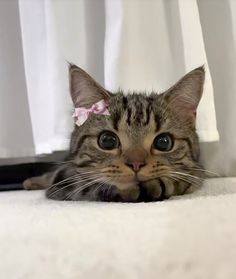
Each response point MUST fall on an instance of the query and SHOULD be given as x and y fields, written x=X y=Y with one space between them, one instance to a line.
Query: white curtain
x=132 y=44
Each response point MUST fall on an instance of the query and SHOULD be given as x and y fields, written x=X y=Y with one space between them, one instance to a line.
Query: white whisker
x=83 y=187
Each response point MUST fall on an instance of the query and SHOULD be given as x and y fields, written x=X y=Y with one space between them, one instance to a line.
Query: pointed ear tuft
x=186 y=94
x=85 y=91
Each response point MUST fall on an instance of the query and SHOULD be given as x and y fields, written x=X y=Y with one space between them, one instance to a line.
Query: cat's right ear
x=85 y=91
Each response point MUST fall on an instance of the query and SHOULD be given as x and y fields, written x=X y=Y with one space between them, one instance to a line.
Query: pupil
x=163 y=142
x=109 y=141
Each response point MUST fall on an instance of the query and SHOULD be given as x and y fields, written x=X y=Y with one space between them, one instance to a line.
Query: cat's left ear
x=186 y=94
x=85 y=91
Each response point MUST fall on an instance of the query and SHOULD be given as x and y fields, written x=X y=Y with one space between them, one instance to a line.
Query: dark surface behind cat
x=146 y=150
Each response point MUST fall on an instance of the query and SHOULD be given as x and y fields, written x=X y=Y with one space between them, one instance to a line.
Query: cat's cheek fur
x=61 y=185
x=132 y=118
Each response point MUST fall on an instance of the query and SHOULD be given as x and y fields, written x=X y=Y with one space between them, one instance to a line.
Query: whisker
x=188 y=179
x=187 y=174
x=58 y=190
x=172 y=176
x=73 y=182
x=203 y=170
x=99 y=187
x=96 y=190
x=177 y=178
x=109 y=190
x=80 y=189
x=62 y=181
x=72 y=178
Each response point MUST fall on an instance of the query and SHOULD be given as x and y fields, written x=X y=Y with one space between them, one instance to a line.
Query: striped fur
x=90 y=173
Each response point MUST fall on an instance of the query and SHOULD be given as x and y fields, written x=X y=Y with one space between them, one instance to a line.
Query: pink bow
x=82 y=113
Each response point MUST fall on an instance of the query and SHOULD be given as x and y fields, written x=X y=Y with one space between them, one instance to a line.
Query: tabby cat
x=145 y=148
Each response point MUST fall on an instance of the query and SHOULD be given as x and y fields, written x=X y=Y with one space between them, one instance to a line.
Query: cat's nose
x=135 y=158
x=135 y=165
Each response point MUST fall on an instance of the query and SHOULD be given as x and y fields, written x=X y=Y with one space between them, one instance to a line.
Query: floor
x=193 y=236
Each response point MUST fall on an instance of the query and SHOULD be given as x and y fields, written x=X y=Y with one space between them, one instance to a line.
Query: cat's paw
x=157 y=189
x=32 y=184
x=129 y=195
x=151 y=190
x=37 y=182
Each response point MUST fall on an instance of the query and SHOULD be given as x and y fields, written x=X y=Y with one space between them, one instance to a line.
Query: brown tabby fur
x=91 y=173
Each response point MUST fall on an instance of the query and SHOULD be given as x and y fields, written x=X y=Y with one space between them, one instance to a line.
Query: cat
x=144 y=148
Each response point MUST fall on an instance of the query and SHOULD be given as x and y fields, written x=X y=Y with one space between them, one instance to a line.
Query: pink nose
x=135 y=165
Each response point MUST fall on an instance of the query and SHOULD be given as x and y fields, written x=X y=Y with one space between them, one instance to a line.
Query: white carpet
x=192 y=236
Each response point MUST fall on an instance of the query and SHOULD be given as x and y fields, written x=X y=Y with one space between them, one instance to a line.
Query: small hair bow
x=82 y=113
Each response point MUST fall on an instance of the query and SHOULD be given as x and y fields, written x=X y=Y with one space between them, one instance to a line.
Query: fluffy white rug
x=192 y=236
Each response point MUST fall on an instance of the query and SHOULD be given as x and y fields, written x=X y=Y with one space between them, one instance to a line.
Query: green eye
x=163 y=142
x=108 y=140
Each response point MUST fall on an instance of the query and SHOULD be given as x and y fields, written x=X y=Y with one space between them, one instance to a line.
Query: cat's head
x=146 y=136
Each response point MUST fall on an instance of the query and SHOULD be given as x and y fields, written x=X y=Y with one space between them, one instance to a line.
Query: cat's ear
x=186 y=94
x=85 y=91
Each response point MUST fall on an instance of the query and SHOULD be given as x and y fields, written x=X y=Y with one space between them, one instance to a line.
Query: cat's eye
x=108 y=140
x=163 y=142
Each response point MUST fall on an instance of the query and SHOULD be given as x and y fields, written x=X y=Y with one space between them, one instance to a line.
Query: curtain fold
x=16 y=137
x=218 y=20
x=133 y=45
